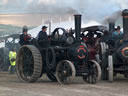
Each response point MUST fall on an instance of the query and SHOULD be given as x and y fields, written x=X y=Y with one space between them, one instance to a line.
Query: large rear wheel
x=50 y=58
x=104 y=67
x=4 y=59
x=29 y=63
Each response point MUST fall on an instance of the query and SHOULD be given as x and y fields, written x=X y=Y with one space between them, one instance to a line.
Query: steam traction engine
x=116 y=58
x=63 y=58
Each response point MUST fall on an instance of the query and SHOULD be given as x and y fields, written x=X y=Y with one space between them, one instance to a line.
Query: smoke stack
x=111 y=27
x=77 y=26
x=125 y=24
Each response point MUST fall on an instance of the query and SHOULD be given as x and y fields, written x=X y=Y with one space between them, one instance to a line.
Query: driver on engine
x=25 y=37
x=89 y=38
x=43 y=37
x=118 y=33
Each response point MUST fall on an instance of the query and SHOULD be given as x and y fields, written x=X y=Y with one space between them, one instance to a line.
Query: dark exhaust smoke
x=125 y=24
x=77 y=26
x=111 y=27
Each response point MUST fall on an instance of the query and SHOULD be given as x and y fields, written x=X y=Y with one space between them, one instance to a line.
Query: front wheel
x=94 y=74
x=65 y=72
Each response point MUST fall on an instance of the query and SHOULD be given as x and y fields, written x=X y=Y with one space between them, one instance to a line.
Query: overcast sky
x=90 y=9
x=33 y=6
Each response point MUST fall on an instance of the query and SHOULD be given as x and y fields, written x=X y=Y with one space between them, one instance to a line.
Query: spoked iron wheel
x=28 y=63
x=94 y=74
x=65 y=72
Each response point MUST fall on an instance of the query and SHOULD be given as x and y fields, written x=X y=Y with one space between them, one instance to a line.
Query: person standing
x=12 y=59
x=25 y=37
x=43 y=37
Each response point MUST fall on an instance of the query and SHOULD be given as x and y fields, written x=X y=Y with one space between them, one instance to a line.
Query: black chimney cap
x=125 y=12
x=77 y=15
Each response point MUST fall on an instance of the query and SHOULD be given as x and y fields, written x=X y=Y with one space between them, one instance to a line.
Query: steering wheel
x=59 y=33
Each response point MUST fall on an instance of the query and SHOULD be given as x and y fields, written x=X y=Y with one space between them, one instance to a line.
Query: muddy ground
x=11 y=86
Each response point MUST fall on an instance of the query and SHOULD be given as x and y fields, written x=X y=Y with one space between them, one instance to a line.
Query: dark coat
x=42 y=36
x=24 y=39
x=43 y=39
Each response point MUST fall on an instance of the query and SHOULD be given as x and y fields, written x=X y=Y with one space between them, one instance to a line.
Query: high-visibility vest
x=11 y=56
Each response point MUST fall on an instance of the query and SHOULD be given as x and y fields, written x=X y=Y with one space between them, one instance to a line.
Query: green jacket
x=12 y=58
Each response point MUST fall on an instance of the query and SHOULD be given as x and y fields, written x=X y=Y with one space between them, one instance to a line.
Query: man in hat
x=42 y=36
x=118 y=33
x=25 y=37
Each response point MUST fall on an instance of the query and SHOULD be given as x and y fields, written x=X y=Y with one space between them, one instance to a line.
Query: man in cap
x=43 y=37
x=118 y=33
x=25 y=37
